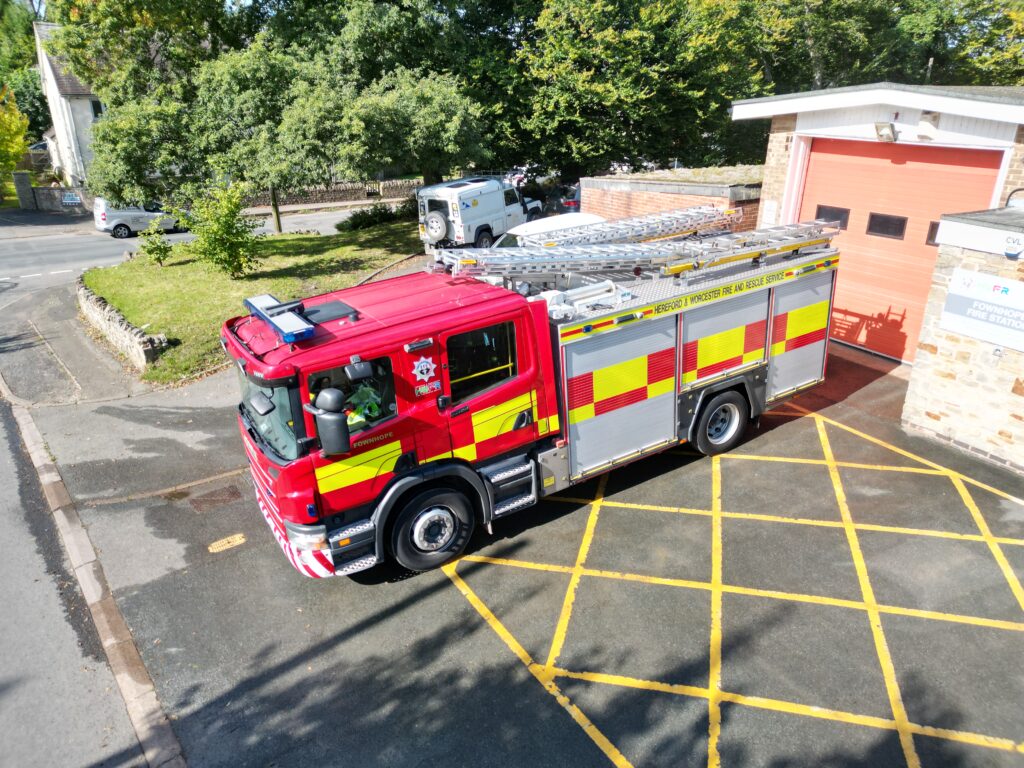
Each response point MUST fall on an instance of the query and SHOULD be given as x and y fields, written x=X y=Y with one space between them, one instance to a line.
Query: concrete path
x=59 y=704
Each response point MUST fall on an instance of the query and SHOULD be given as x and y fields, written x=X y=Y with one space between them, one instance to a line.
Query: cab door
x=513 y=209
x=489 y=374
x=381 y=434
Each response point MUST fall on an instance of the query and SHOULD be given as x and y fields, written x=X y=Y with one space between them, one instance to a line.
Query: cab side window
x=511 y=198
x=368 y=401
x=481 y=359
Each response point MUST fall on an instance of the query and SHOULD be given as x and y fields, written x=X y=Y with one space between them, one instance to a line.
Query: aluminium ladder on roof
x=669 y=257
x=636 y=228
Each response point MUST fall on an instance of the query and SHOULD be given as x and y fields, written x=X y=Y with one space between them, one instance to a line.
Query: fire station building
x=887 y=161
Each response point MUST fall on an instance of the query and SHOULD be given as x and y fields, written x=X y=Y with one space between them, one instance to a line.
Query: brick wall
x=776 y=164
x=1015 y=173
x=966 y=391
x=619 y=203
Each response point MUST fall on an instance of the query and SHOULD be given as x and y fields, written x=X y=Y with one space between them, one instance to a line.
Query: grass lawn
x=188 y=301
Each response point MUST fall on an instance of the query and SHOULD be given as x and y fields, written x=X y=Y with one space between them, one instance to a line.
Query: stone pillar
x=963 y=390
x=776 y=165
x=23 y=186
x=1015 y=171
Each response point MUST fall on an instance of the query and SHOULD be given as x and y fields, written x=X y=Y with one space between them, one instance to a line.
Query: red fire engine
x=388 y=420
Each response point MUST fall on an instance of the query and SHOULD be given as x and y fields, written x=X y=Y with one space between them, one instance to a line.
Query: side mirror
x=331 y=422
x=359 y=371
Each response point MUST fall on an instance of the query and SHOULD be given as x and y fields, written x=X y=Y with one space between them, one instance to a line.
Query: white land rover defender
x=473 y=211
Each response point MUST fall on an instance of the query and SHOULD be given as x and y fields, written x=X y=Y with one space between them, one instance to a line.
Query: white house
x=73 y=109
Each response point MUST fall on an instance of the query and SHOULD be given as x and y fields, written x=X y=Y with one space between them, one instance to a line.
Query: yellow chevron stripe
x=359 y=468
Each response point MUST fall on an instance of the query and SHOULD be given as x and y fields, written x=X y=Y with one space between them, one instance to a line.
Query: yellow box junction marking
x=548 y=673
x=881 y=646
x=228 y=542
x=715 y=655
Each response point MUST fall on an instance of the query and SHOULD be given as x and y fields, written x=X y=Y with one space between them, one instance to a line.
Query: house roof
x=67 y=84
x=992 y=102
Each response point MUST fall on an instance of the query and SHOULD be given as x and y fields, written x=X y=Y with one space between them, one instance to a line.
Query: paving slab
x=59 y=704
x=155 y=440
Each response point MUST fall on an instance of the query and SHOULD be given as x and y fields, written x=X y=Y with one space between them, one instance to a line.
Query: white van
x=471 y=211
x=511 y=239
x=124 y=222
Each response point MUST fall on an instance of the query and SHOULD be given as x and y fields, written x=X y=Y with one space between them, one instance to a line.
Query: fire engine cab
x=387 y=420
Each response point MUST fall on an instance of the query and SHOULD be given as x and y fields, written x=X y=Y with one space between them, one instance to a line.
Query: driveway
x=832 y=593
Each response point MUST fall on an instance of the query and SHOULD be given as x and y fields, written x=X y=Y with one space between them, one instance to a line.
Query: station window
x=832 y=213
x=368 y=401
x=933 y=232
x=884 y=225
x=481 y=359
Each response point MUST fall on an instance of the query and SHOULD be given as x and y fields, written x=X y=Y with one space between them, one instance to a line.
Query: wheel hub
x=433 y=529
x=723 y=423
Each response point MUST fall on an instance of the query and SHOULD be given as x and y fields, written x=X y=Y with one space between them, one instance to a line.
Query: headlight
x=307 y=537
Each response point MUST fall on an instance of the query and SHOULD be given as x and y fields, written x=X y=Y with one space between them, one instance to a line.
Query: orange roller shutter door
x=883 y=281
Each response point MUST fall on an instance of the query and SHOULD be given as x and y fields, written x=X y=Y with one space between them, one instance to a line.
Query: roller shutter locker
x=621 y=393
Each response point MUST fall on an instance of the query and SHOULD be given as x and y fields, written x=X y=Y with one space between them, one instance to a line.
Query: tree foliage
x=131 y=49
x=420 y=120
x=28 y=94
x=293 y=92
x=12 y=133
x=141 y=151
x=224 y=238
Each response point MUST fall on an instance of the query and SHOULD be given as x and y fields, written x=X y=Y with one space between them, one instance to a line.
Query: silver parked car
x=124 y=222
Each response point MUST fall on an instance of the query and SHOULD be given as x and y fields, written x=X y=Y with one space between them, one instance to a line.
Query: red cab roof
x=406 y=307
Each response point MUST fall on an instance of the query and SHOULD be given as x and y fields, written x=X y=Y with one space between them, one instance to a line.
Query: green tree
x=13 y=125
x=17 y=43
x=415 y=120
x=223 y=237
x=132 y=49
x=28 y=93
x=240 y=98
x=637 y=81
x=142 y=151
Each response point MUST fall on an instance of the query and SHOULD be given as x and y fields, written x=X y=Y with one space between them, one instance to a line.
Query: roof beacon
x=284 y=318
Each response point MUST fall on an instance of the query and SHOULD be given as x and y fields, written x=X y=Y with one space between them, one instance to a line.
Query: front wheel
x=722 y=422
x=432 y=528
x=533 y=215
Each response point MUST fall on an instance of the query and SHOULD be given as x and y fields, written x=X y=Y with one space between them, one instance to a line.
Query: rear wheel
x=431 y=529
x=722 y=423
x=484 y=239
x=121 y=231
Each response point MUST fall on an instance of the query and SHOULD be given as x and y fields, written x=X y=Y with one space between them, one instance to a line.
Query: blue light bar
x=290 y=326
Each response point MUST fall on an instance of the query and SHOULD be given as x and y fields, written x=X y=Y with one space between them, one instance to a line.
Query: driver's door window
x=368 y=402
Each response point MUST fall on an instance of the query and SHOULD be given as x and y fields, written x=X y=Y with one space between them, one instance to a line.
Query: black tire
x=723 y=420
x=436 y=226
x=533 y=215
x=441 y=518
x=484 y=239
x=121 y=231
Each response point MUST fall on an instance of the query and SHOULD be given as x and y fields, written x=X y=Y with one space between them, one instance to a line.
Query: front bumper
x=352 y=549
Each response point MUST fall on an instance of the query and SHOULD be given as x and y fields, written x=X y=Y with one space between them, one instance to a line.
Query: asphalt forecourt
x=831 y=593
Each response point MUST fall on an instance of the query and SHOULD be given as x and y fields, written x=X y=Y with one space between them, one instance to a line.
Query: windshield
x=276 y=428
x=508 y=240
